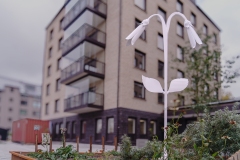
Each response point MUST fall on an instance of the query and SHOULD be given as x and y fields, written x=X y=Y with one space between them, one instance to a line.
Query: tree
x=206 y=74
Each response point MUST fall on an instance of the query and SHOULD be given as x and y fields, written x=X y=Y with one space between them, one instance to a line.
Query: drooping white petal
x=196 y=37
x=177 y=85
x=193 y=37
x=132 y=37
x=138 y=34
x=152 y=85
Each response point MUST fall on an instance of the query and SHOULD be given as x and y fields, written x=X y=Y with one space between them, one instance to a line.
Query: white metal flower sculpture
x=153 y=85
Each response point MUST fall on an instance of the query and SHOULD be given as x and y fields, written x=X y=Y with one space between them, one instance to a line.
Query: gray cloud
x=226 y=15
x=22 y=37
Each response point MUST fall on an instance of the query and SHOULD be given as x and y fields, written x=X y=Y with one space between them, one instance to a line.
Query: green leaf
x=195 y=147
x=215 y=154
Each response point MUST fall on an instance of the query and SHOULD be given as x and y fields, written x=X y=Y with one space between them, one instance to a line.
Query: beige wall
x=7 y=116
x=128 y=73
x=56 y=54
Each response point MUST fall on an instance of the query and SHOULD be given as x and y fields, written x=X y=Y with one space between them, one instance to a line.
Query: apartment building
x=92 y=81
x=18 y=100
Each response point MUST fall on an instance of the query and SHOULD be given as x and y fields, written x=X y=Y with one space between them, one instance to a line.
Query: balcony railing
x=96 y=6
x=84 y=64
x=85 y=32
x=83 y=100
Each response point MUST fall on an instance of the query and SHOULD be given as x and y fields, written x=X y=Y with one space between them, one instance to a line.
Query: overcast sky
x=22 y=34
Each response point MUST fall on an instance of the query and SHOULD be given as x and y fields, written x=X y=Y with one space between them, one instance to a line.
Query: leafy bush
x=213 y=135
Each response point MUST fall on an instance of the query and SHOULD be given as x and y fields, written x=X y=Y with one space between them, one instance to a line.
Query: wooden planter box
x=16 y=155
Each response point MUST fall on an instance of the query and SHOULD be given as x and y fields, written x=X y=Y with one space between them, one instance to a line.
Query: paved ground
x=5 y=147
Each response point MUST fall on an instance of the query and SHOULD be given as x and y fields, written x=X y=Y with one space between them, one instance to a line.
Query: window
x=180 y=55
x=57 y=105
x=161 y=98
x=61 y=24
x=35 y=113
x=48 y=90
x=193 y=19
x=23 y=112
x=215 y=75
x=162 y=13
x=84 y=126
x=58 y=84
x=23 y=102
x=10 y=99
x=205 y=29
x=49 y=71
x=58 y=64
x=215 y=56
x=143 y=35
x=10 y=109
x=153 y=128
x=215 y=94
x=206 y=89
x=179 y=6
x=60 y=41
x=99 y=126
x=68 y=128
x=193 y=83
x=181 y=99
x=57 y=128
x=160 y=69
x=51 y=34
x=143 y=126
x=139 y=90
x=139 y=61
x=180 y=74
x=74 y=127
x=194 y=101
x=131 y=126
x=9 y=119
x=46 y=109
x=11 y=89
x=50 y=53
x=110 y=126
x=36 y=104
x=180 y=31
x=160 y=41
x=141 y=4
x=215 y=38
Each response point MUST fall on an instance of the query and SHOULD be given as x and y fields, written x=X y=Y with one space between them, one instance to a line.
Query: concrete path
x=7 y=146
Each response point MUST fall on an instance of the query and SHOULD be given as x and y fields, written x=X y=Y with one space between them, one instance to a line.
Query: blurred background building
x=92 y=81
x=18 y=100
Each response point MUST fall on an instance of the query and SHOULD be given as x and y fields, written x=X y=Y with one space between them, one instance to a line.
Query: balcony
x=84 y=102
x=84 y=33
x=81 y=68
x=96 y=6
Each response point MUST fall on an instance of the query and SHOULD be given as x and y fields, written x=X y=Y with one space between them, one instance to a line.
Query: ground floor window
x=110 y=126
x=56 y=128
x=131 y=126
x=73 y=127
x=153 y=128
x=99 y=126
x=143 y=126
x=84 y=125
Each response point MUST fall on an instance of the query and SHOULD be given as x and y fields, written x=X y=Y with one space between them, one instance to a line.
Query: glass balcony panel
x=84 y=64
x=88 y=18
x=96 y=6
x=84 y=32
